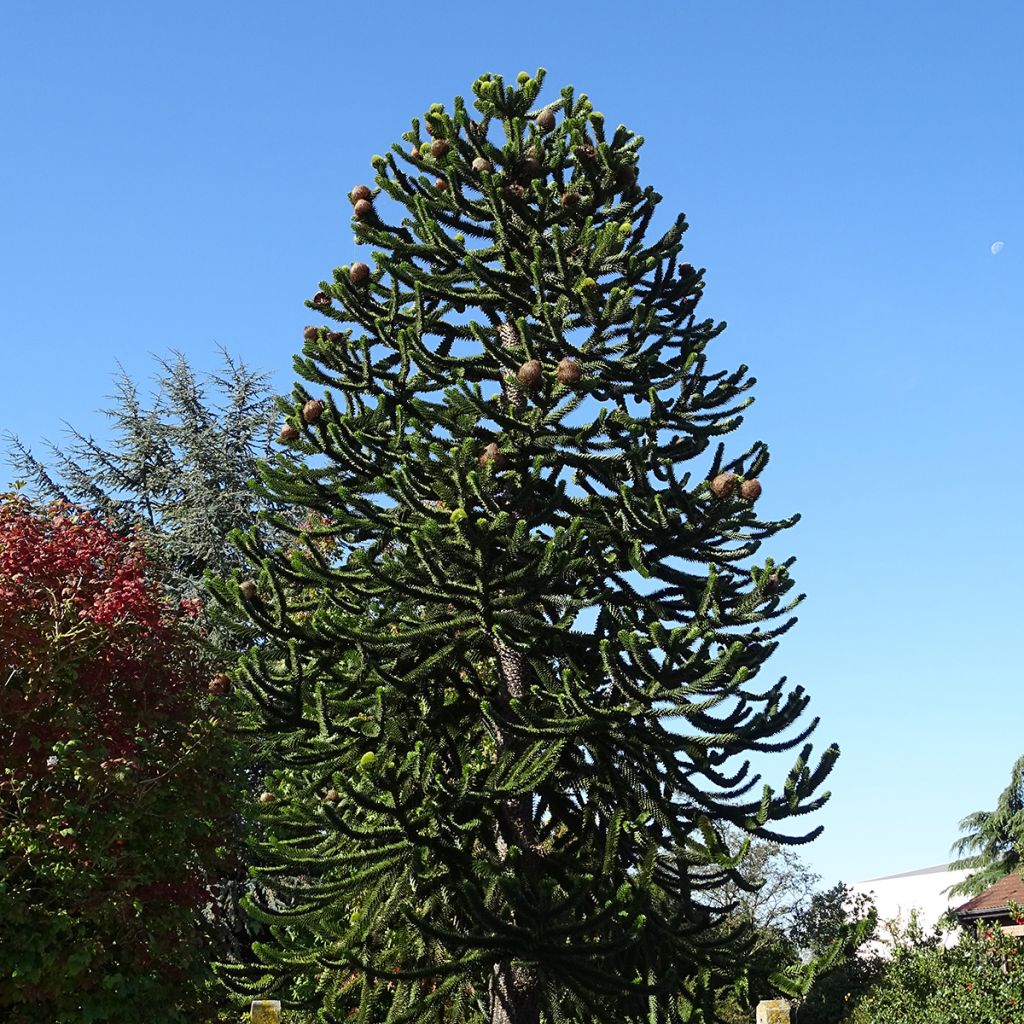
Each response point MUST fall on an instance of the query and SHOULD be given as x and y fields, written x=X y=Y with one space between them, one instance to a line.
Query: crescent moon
x=997 y=248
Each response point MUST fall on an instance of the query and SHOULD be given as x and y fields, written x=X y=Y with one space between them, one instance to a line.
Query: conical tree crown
x=512 y=677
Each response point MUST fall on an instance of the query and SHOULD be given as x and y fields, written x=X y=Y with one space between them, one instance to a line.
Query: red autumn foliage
x=114 y=783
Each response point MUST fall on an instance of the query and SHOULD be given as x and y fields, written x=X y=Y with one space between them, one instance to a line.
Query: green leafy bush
x=978 y=980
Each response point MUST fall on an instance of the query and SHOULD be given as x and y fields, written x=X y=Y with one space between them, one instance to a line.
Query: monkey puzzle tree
x=516 y=701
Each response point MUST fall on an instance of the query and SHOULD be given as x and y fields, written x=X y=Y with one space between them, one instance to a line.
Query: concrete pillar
x=773 y=1011
x=268 y=1011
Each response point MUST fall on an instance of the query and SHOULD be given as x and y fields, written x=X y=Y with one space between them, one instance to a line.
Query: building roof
x=993 y=901
x=935 y=870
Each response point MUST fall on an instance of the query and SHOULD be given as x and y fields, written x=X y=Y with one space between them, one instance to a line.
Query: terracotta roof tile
x=995 y=897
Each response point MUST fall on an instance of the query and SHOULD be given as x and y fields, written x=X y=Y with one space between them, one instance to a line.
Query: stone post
x=773 y=1011
x=268 y=1011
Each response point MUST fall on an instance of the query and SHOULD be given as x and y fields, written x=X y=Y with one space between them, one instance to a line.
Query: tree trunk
x=514 y=989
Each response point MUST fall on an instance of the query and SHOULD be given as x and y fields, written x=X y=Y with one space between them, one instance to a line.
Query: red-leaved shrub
x=115 y=781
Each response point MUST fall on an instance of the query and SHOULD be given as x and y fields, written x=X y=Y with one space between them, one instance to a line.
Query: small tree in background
x=994 y=843
x=830 y=930
x=516 y=705
x=178 y=468
x=177 y=471
x=116 y=785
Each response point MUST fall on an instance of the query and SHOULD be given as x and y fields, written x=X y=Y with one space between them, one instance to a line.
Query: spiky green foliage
x=178 y=465
x=528 y=671
x=994 y=841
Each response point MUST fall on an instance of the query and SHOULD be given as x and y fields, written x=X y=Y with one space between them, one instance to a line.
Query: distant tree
x=994 y=843
x=177 y=471
x=178 y=468
x=832 y=928
x=807 y=944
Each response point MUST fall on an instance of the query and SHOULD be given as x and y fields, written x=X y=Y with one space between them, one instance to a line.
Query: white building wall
x=923 y=891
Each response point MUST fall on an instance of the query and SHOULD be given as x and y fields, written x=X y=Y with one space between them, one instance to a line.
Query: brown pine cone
x=492 y=454
x=481 y=164
x=331 y=796
x=440 y=184
x=267 y=798
x=516 y=190
x=321 y=299
x=311 y=333
x=568 y=371
x=439 y=147
x=546 y=119
x=750 y=490
x=530 y=168
x=248 y=587
x=220 y=684
x=530 y=374
x=723 y=485
x=358 y=273
x=360 y=192
x=312 y=410
x=363 y=209
x=288 y=433
x=625 y=177
x=586 y=151
x=570 y=199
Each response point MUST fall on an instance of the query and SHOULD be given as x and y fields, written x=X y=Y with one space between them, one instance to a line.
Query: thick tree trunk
x=514 y=994
x=514 y=989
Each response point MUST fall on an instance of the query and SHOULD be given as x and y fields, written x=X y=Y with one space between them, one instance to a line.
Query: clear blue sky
x=174 y=175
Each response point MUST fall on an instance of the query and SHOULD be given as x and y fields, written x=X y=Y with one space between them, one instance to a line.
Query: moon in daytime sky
x=997 y=248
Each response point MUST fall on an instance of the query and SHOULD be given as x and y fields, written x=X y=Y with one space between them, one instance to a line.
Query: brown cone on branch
x=530 y=168
x=266 y=797
x=288 y=433
x=481 y=164
x=415 y=152
x=360 y=192
x=363 y=209
x=686 y=270
x=530 y=374
x=516 y=190
x=321 y=299
x=750 y=490
x=312 y=410
x=439 y=148
x=331 y=796
x=440 y=184
x=586 y=152
x=492 y=454
x=546 y=119
x=311 y=333
x=249 y=590
x=723 y=485
x=625 y=177
x=220 y=684
x=358 y=273
x=568 y=372
x=570 y=199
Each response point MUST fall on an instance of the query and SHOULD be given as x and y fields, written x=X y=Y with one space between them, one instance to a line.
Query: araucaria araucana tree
x=521 y=691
